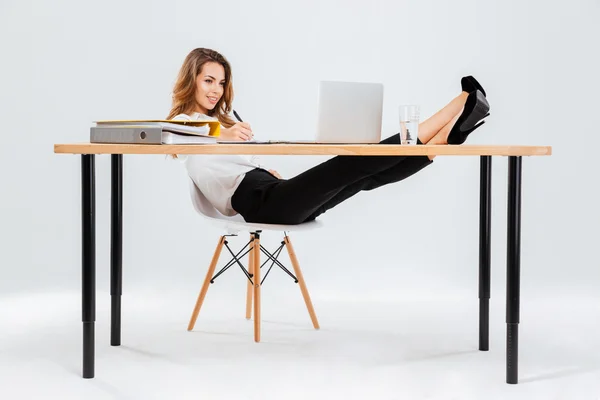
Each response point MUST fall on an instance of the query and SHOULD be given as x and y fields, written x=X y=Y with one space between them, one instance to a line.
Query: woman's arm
x=240 y=131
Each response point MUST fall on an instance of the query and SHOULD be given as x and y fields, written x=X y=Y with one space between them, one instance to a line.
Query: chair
x=234 y=225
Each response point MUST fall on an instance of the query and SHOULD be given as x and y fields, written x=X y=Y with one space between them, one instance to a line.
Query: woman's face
x=210 y=84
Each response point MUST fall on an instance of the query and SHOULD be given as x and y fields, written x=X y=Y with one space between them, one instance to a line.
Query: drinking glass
x=409 y=123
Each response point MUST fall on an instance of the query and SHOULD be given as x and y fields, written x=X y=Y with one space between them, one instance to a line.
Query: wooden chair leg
x=249 y=286
x=256 y=281
x=209 y=274
x=301 y=282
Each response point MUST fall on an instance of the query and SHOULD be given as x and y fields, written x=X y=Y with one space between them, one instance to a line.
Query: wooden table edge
x=305 y=149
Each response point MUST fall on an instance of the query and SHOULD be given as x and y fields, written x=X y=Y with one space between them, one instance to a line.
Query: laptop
x=348 y=113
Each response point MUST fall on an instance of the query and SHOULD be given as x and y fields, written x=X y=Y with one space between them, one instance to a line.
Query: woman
x=238 y=184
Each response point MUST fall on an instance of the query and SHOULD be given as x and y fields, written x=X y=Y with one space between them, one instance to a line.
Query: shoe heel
x=477 y=126
x=475 y=110
x=480 y=111
x=473 y=128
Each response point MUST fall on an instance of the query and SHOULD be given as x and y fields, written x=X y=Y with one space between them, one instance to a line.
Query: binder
x=144 y=134
x=126 y=134
x=172 y=125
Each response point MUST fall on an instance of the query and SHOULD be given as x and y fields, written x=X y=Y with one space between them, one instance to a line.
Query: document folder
x=178 y=126
x=155 y=132
x=144 y=135
x=126 y=134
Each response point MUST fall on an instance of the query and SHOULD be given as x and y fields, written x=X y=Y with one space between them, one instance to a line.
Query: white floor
x=375 y=350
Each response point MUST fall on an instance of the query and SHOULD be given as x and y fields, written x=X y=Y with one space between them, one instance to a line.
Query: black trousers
x=262 y=197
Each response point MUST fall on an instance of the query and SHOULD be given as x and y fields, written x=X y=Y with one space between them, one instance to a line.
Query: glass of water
x=409 y=124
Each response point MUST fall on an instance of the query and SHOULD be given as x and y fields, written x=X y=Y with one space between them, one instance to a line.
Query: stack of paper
x=155 y=132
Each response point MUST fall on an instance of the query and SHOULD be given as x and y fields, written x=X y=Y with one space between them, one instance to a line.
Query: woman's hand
x=240 y=131
x=275 y=173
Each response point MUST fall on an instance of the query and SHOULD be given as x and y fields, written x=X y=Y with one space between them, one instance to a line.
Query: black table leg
x=116 y=247
x=485 y=218
x=88 y=261
x=513 y=268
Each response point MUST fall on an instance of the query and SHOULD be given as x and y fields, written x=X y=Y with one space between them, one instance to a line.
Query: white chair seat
x=236 y=223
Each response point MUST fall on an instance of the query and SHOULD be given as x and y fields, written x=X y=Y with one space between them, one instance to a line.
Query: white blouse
x=217 y=176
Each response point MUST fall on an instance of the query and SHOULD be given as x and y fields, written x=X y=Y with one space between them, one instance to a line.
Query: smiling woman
x=208 y=88
x=204 y=89
x=236 y=184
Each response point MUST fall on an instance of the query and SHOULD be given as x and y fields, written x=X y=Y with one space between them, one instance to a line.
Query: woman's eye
x=207 y=81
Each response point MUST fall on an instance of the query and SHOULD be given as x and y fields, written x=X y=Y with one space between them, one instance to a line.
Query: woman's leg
x=441 y=137
x=263 y=198
x=429 y=128
x=408 y=167
x=322 y=187
x=405 y=168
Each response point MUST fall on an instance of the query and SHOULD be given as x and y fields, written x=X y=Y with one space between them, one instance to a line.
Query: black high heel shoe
x=476 y=108
x=470 y=84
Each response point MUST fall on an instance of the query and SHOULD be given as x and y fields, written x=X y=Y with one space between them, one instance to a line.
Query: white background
x=411 y=246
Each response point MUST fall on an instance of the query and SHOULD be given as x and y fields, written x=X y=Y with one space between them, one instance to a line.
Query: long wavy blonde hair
x=184 y=100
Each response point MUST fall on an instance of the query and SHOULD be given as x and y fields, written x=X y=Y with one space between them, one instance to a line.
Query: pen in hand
x=237 y=116
x=239 y=119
